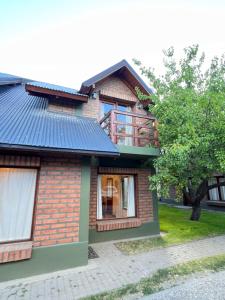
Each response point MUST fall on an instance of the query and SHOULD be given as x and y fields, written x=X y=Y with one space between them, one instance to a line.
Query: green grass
x=178 y=229
x=157 y=281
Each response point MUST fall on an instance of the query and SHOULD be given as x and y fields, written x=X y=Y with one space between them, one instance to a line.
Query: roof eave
x=58 y=150
x=48 y=92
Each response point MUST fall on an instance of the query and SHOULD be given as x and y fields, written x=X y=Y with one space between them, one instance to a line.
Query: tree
x=189 y=104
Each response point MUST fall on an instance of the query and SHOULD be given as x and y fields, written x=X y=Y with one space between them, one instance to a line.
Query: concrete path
x=210 y=287
x=111 y=270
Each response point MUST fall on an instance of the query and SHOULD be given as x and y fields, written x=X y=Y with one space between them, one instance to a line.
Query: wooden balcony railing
x=131 y=129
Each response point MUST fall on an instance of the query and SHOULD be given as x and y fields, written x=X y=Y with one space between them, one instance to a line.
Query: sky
x=67 y=41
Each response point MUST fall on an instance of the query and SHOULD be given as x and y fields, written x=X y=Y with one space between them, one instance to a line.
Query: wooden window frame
x=116 y=103
x=135 y=196
x=35 y=203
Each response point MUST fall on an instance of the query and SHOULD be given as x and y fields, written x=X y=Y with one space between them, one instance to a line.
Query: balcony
x=130 y=129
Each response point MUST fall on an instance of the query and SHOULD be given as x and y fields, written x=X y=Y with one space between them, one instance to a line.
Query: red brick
x=58 y=201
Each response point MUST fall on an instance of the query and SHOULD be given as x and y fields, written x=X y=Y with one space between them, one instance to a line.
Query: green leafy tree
x=189 y=104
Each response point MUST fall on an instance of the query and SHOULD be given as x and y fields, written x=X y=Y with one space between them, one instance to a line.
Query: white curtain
x=222 y=189
x=99 y=198
x=17 y=189
x=131 y=200
x=125 y=192
x=213 y=193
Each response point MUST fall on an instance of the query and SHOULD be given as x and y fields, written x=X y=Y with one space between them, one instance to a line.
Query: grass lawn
x=178 y=229
x=164 y=278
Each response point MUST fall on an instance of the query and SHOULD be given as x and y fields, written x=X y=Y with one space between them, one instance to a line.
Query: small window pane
x=106 y=107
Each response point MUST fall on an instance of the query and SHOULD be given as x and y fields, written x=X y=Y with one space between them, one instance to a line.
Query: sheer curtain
x=99 y=198
x=222 y=189
x=213 y=193
x=131 y=200
x=17 y=189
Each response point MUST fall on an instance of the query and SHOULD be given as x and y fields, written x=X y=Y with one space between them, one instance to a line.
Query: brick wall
x=93 y=198
x=143 y=194
x=61 y=107
x=113 y=87
x=19 y=161
x=92 y=108
x=15 y=251
x=58 y=202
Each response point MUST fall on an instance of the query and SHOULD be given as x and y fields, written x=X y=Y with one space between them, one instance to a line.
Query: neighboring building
x=216 y=196
x=74 y=168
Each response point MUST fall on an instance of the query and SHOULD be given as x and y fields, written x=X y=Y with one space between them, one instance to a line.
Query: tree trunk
x=196 y=211
x=197 y=197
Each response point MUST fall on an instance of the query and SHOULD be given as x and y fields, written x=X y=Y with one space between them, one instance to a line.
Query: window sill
x=216 y=203
x=106 y=225
x=15 y=251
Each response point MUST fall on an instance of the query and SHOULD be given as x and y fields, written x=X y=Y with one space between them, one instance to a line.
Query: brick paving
x=111 y=270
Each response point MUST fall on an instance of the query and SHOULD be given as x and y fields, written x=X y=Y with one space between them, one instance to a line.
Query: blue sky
x=65 y=42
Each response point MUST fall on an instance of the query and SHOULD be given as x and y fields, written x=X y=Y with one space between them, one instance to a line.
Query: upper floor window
x=124 y=128
x=107 y=106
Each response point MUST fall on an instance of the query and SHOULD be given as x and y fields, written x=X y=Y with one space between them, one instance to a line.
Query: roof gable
x=124 y=71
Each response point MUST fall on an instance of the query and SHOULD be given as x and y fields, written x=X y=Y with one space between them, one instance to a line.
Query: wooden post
x=113 y=126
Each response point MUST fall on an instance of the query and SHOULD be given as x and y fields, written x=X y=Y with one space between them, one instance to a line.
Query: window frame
x=117 y=103
x=218 y=187
x=35 y=202
x=136 y=199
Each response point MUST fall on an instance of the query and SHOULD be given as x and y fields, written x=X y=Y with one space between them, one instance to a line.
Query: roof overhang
x=41 y=91
x=10 y=82
x=34 y=149
x=124 y=71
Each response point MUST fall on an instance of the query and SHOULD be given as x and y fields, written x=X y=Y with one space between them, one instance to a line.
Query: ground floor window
x=218 y=193
x=116 y=196
x=17 y=190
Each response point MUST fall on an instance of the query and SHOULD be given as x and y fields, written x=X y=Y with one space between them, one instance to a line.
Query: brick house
x=74 y=168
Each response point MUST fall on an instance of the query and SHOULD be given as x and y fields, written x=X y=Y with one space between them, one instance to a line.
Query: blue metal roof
x=9 y=79
x=54 y=87
x=25 y=122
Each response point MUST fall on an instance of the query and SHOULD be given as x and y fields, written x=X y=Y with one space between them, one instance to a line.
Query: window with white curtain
x=120 y=202
x=17 y=192
x=213 y=193
x=222 y=189
x=218 y=193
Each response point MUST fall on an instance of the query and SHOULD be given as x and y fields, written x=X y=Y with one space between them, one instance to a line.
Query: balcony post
x=113 y=126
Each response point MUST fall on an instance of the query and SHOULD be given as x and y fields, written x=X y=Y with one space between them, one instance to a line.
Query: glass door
x=125 y=129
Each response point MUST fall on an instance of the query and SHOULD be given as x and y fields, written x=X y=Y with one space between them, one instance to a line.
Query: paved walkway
x=210 y=287
x=111 y=270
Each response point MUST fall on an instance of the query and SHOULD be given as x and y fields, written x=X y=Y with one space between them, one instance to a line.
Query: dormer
x=60 y=99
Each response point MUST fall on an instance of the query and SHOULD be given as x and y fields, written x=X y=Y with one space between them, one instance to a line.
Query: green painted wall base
x=150 y=228
x=45 y=260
